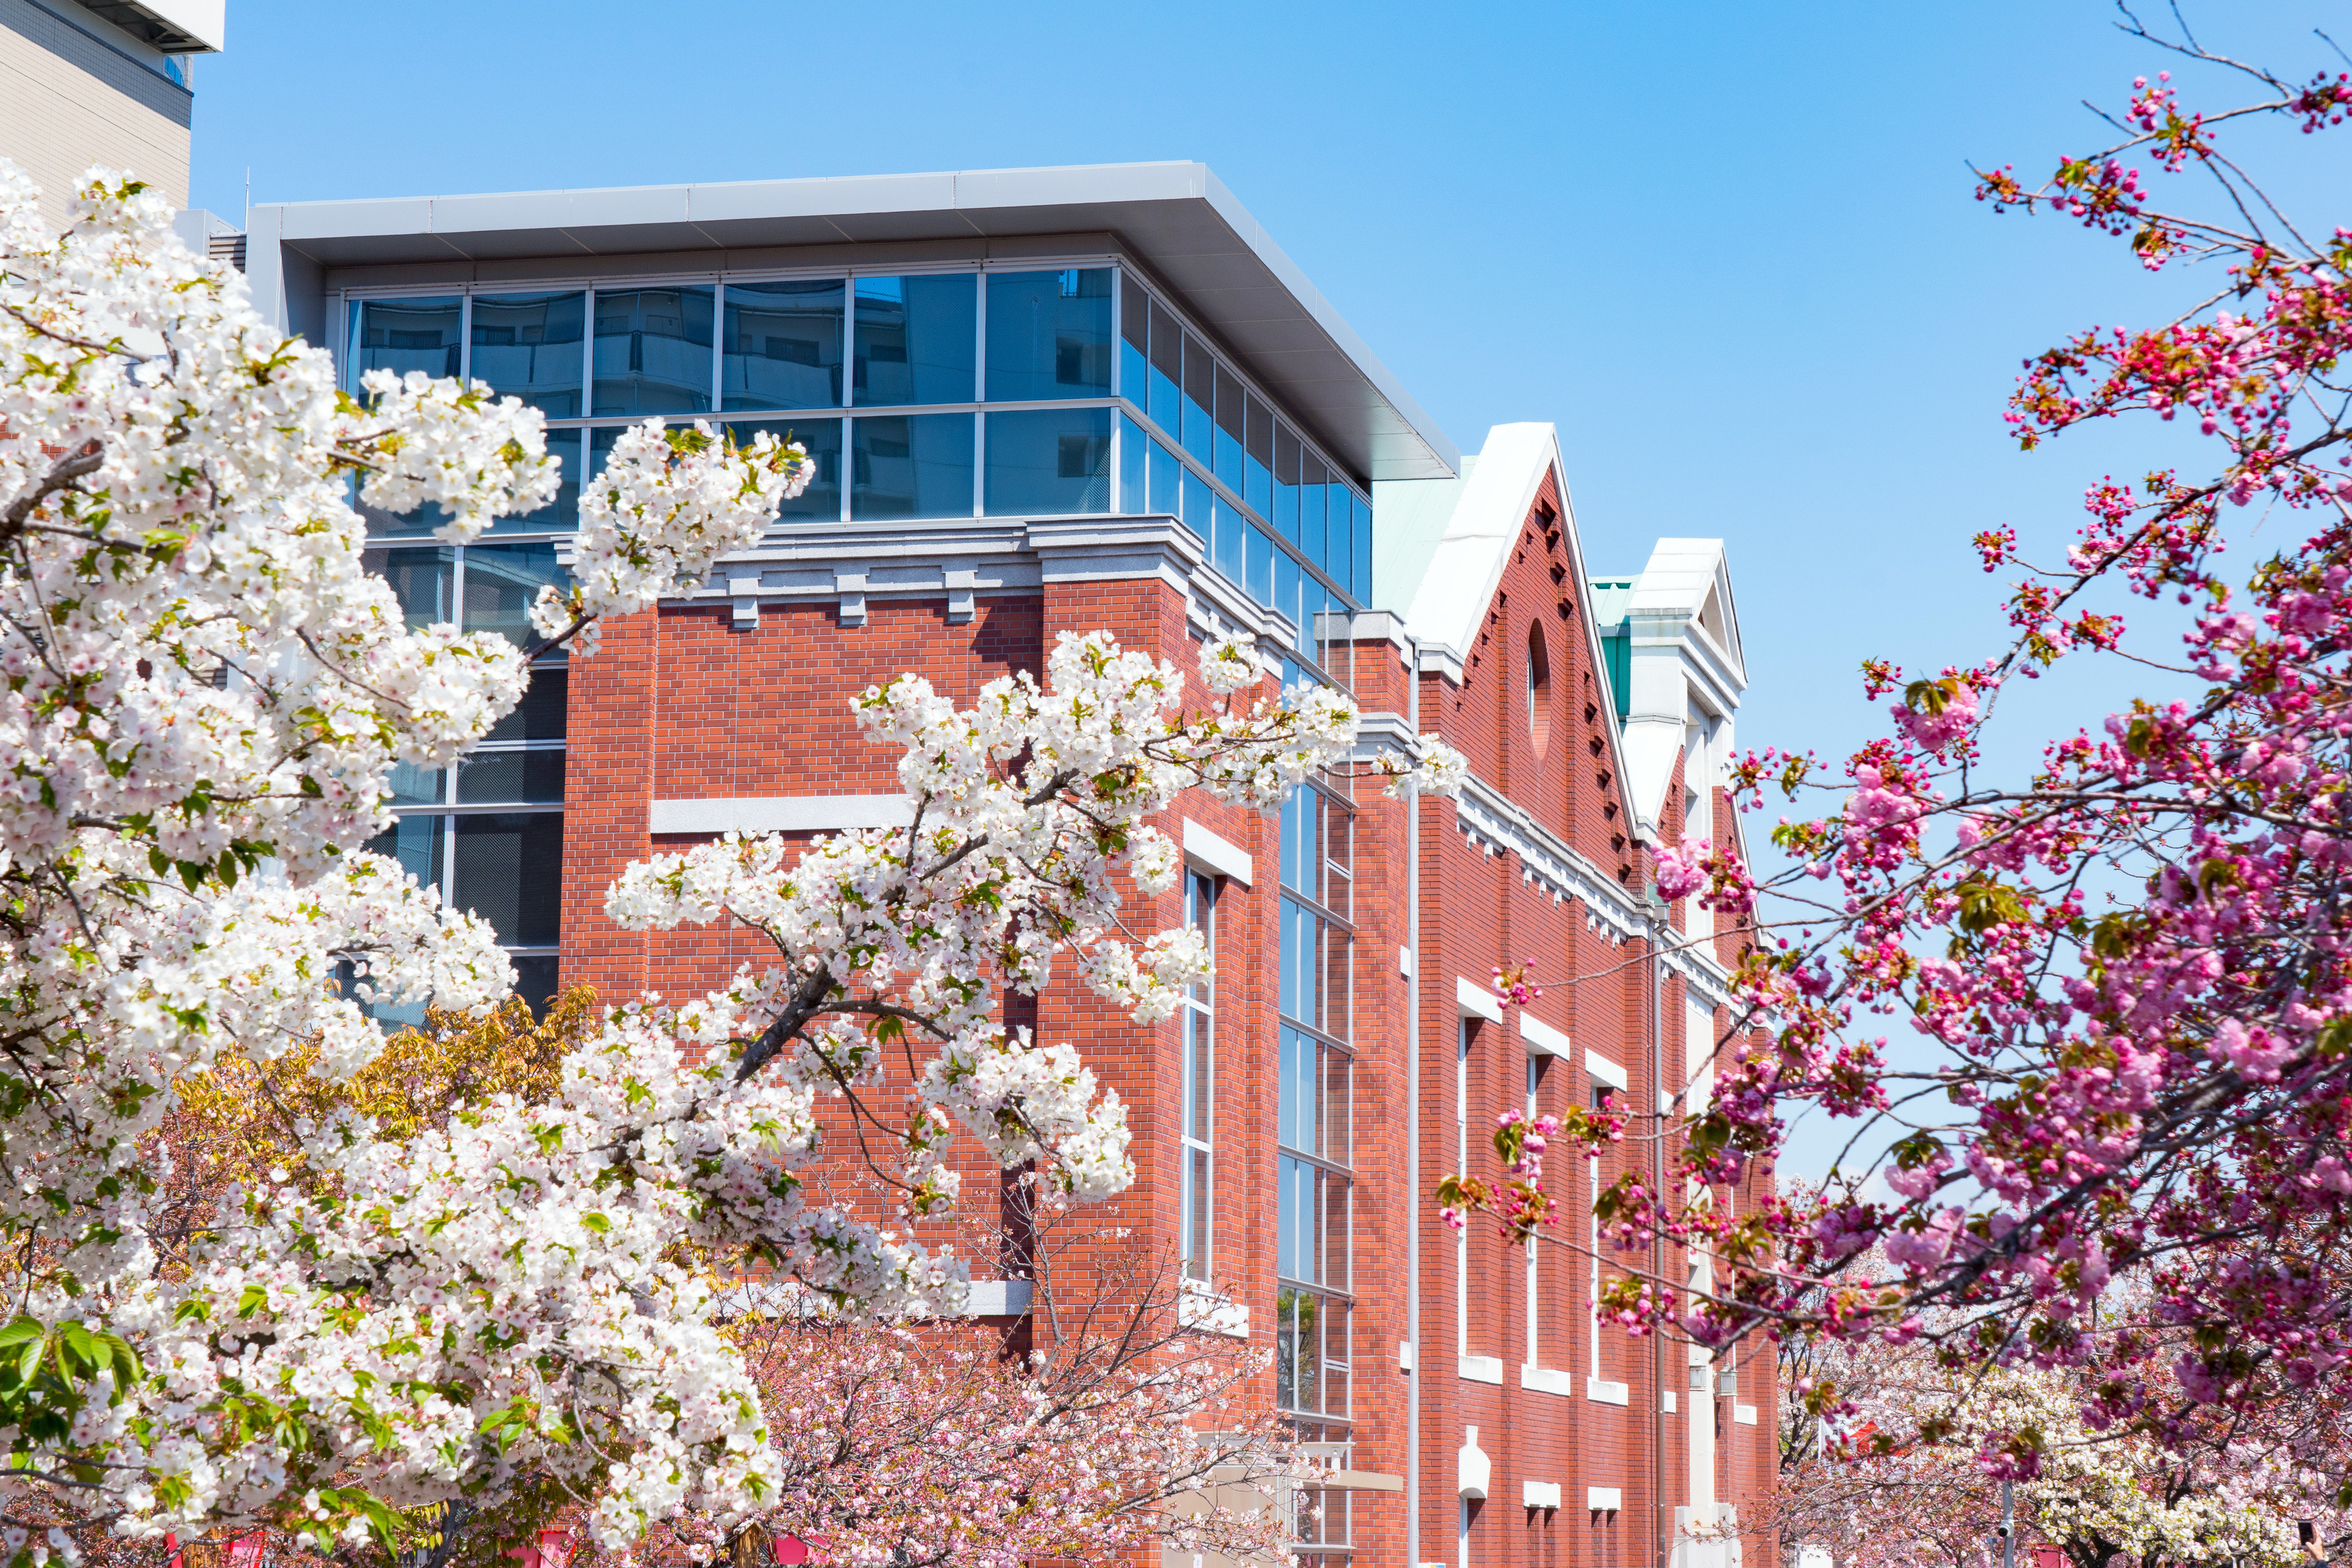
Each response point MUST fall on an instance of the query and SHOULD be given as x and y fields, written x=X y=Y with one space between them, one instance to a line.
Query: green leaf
x=597 y=1222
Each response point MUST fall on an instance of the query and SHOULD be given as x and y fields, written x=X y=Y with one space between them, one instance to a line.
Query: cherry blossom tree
x=206 y=693
x=2129 y=963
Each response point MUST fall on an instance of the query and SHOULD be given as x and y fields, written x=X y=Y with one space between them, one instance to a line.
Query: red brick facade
x=680 y=704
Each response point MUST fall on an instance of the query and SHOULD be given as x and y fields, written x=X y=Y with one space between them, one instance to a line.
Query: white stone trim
x=1482 y=1369
x=999 y=1298
x=1216 y=854
x=1541 y=1039
x=1744 y=1413
x=1473 y=1000
x=1548 y=1380
x=779 y=813
x=1605 y=1393
x=1604 y=1070
x=1540 y=1494
x=1604 y=1500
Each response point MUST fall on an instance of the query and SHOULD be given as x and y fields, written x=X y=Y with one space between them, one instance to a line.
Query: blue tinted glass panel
x=783 y=345
x=1261 y=564
x=1286 y=585
x=1167 y=476
x=1313 y=481
x=917 y=466
x=1134 y=343
x=916 y=337
x=821 y=502
x=528 y=346
x=653 y=350
x=1195 y=511
x=1134 y=468
x=1049 y=334
x=1226 y=538
x=404 y=335
x=507 y=868
x=1287 y=1118
x=1362 y=585
x=501 y=581
x=418 y=844
x=423 y=580
x=1197 y=435
x=1165 y=408
x=1258 y=459
x=1048 y=460
x=1285 y=483
x=1339 y=554
x=1228 y=440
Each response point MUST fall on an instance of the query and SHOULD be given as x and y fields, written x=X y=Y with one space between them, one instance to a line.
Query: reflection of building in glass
x=1121 y=410
x=404 y=335
x=528 y=346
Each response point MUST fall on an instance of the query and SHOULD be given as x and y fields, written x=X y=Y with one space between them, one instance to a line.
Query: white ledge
x=780 y=813
x=1603 y=1071
x=1197 y=1308
x=1216 y=854
x=1603 y=1392
x=999 y=1298
x=1744 y=1413
x=1540 y=1494
x=1604 y=1500
x=1482 y=1369
x=1542 y=1040
x=1476 y=1002
x=1548 y=1380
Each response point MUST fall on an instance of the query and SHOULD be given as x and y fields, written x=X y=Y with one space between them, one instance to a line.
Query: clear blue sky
x=1728 y=248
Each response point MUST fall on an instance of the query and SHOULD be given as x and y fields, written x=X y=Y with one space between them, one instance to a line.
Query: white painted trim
x=999 y=1298
x=1471 y=1469
x=1482 y=1369
x=780 y=813
x=1601 y=1393
x=1542 y=1040
x=1603 y=1069
x=1604 y=1500
x=1548 y=1380
x=1473 y=1000
x=1216 y=854
x=1540 y=1494
x=1666 y=1402
x=1744 y=1413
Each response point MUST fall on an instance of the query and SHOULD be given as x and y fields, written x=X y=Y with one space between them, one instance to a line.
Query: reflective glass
x=404 y=335
x=1167 y=482
x=1261 y=564
x=501 y=581
x=1198 y=436
x=1339 y=550
x=1134 y=468
x=1048 y=460
x=821 y=502
x=653 y=350
x=414 y=786
x=1198 y=1199
x=911 y=466
x=1301 y=866
x=528 y=346
x=1227 y=545
x=1195 y=509
x=915 y=340
x=421 y=580
x=1285 y=483
x=1258 y=459
x=1302 y=959
x=1227 y=466
x=507 y=868
x=1361 y=586
x=783 y=347
x=1312 y=477
x=416 y=842
x=535 y=980
x=1049 y=334
x=1286 y=585
x=1167 y=370
x=495 y=777
x=1134 y=343
x=540 y=715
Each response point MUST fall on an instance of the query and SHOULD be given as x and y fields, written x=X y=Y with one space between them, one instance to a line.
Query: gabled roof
x=1681 y=660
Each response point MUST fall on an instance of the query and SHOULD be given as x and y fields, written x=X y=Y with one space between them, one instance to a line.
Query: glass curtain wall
x=1059 y=392
x=1314 y=1256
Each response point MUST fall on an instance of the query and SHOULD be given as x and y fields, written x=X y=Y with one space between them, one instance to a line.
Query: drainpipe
x=1412 y=1132
x=1665 y=1518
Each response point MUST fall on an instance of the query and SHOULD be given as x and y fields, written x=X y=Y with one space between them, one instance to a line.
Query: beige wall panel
x=68 y=101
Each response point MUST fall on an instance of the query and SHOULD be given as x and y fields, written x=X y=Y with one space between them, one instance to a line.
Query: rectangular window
x=1049 y=334
x=821 y=502
x=1195 y=509
x=1340 y=541
x=500 y=584
x=1314 y=1188
x=404 y=335
x=1196 y=1225
x=1257 y=465
x=1167 y=370
x=1134 y=343
x=1229 y=411
x=916 y=341
x=1048 y=461
x=1312 y=479
x=1134 y=468
x=529 y=346
x=1197 y=436
x=653 y=351
x=423 y=580
x=783 y=347
x=1362 y=583
x=916 y=465
x=1167 y=482
x=1261 y=553
x=1285 y=483
x=1228 y=545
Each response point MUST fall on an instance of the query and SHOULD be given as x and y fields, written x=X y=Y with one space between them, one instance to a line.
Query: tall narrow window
x=1197 y=1015
x=1535 y=1342
x=1539 y=686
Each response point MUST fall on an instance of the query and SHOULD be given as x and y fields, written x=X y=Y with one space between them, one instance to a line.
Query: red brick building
x=1101 y=399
